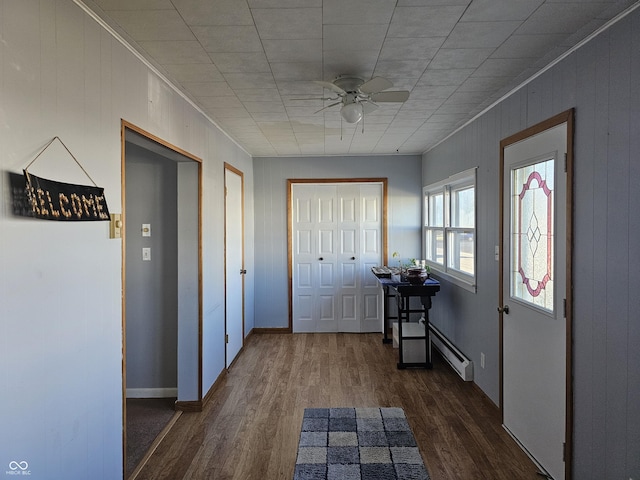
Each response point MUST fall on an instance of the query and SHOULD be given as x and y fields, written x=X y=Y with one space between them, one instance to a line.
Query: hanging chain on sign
x=53 y=200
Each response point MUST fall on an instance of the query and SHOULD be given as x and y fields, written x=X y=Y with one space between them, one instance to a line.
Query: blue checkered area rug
x=357 y=444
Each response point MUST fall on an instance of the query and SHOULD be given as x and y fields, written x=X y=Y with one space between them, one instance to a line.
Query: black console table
x=403 y=291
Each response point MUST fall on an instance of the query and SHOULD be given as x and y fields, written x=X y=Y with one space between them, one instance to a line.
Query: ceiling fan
x=358 y=97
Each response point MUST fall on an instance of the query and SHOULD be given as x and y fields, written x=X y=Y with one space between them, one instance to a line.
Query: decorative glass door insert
x=532 y=240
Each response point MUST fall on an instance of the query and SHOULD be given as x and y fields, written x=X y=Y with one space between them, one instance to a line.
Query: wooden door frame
x=565 y=117
x=184 y=405
x=238 y=172
x=296 y=181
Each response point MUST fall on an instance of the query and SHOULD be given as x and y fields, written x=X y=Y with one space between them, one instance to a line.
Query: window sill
x=439 y=275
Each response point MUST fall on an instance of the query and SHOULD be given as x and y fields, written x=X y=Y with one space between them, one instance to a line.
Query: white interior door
x=370 y=255
x=534 y=291
x=314 y=258
x=336 y=236
x=234 y=263
x=348 y=259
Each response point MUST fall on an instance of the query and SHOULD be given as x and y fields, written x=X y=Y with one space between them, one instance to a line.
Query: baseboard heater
x=454 y=357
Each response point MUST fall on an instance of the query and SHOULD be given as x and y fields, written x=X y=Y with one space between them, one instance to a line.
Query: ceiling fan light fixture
x=351 y=112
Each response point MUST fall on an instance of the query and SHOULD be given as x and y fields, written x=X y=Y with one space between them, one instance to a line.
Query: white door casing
x=336 y=232
x=534 y=328
x=234 y=263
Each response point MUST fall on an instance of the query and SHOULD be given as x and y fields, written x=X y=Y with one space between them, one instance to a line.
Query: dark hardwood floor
x=249 y=429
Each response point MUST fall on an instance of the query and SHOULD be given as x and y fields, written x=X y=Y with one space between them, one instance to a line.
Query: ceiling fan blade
x=395 y=96
x=376 y=84
x=330 y=86
x=328 y=106
x=368 y=107
x=316 y=98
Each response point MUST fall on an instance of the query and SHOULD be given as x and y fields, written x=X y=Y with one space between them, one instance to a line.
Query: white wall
x=61 y=74
x=600 y=80
x=271 y=174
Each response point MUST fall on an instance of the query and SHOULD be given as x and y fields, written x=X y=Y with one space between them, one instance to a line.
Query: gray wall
x=470 y=320
x=151 y=286
x=601 y=81
x=270 y=191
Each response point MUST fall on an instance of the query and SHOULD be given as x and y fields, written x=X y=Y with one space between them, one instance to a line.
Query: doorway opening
x=161 y=277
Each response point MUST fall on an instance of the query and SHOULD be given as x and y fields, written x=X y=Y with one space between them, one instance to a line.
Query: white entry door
x=234 y=262
x=336 y=239
x=534 y=291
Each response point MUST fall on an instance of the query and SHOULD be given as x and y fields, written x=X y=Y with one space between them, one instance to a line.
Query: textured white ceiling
x=246 y=63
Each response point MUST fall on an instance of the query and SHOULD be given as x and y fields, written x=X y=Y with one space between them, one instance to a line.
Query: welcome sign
x=38 y=197
x=51 y=200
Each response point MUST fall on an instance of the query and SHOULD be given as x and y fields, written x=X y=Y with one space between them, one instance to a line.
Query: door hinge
x=564 y=451
x=226 y=338
x=564 y=307
x=565 y=163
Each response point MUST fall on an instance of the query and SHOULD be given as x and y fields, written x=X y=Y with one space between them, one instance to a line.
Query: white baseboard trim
x=152 y=392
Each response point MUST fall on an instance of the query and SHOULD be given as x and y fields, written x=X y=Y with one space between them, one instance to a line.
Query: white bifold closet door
x=337 y=238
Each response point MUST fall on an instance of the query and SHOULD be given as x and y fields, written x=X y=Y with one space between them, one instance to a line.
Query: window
x=449 y=227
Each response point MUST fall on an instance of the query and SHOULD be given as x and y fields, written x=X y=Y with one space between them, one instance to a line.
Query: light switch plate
x=115 y=225
x=146 y=229
x=146 y=254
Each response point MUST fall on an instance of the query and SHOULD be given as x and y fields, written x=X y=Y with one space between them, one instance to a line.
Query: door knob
x=321 y=258
x=504 y=309
x=353 y=258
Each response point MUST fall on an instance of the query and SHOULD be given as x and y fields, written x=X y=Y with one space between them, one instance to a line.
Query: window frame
x=447 y=188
